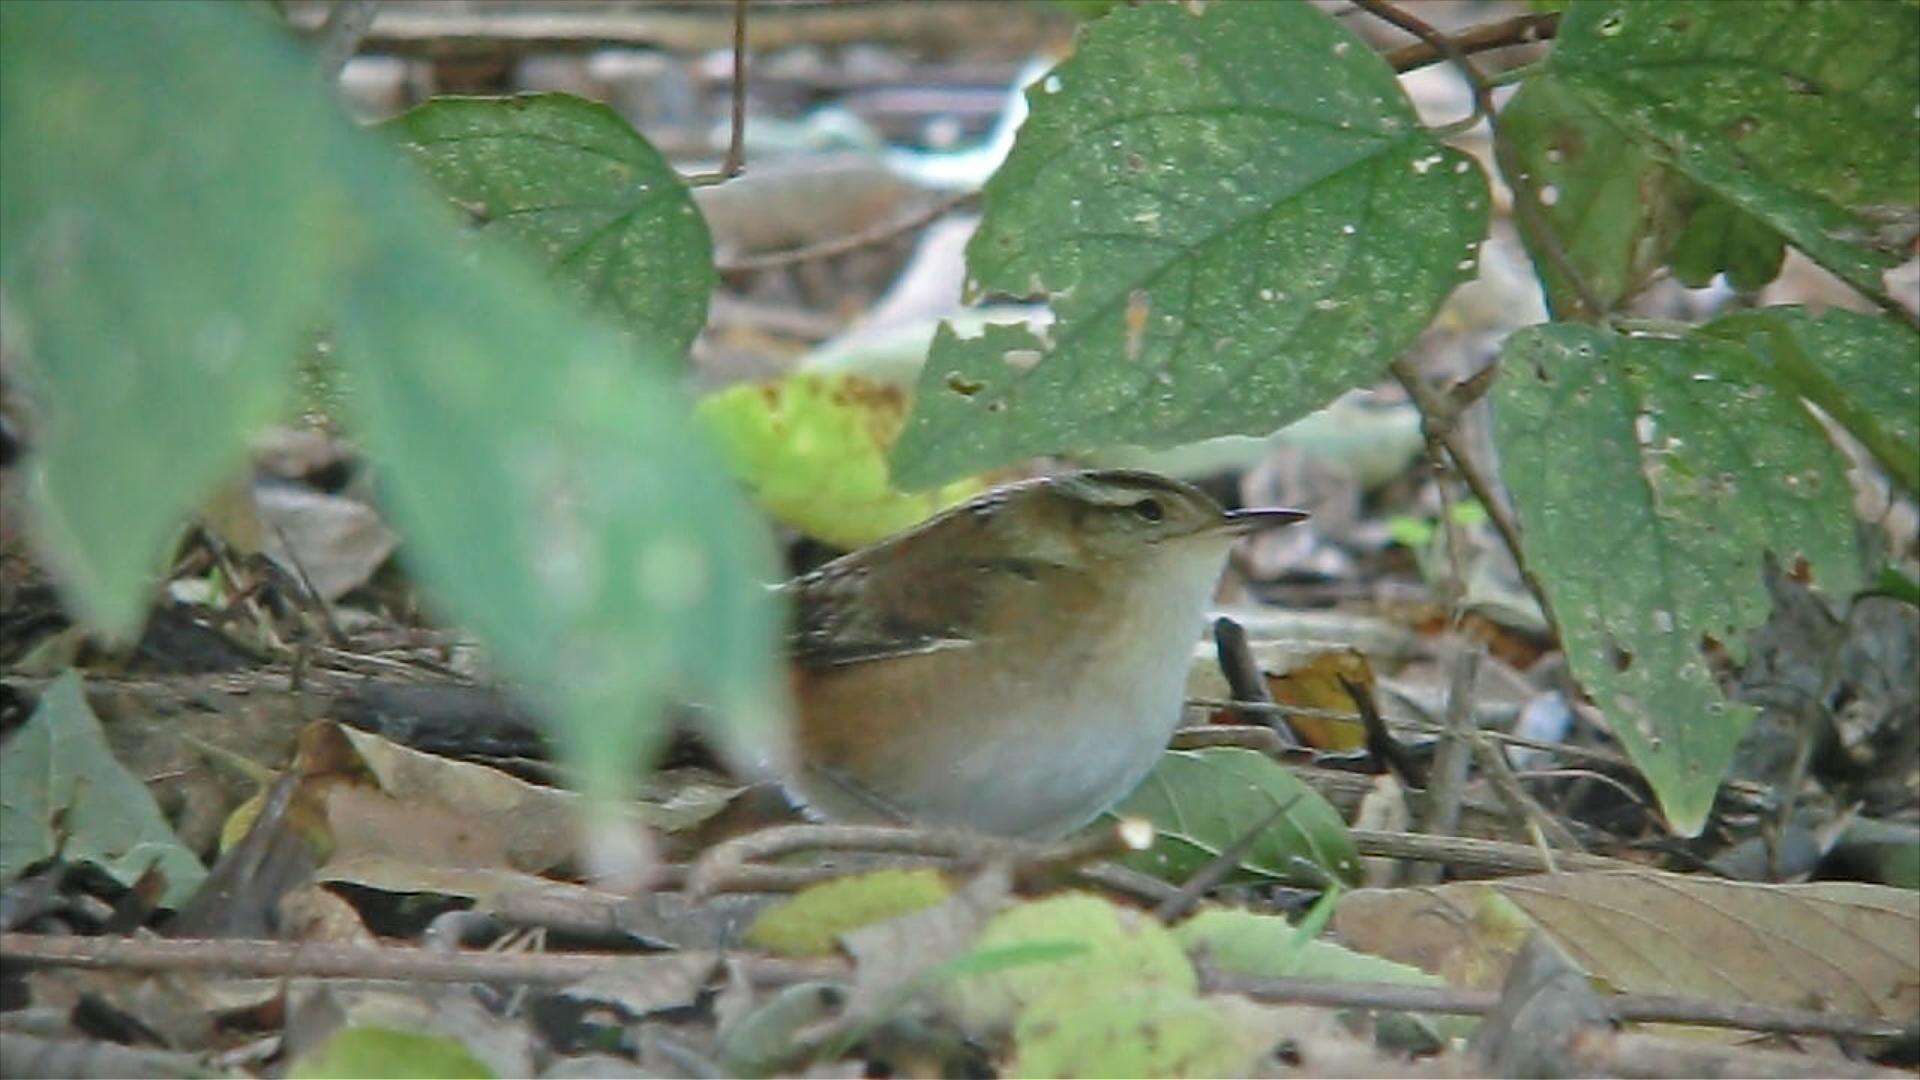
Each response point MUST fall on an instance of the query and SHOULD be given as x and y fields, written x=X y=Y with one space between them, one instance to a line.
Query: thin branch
x=1628 y=1008
x=879 y=234
x=737 y=140
x=1497 y=856
x=279 y=959
x=736 y=160
x=734 y=866
x=1441 y=414
x=1528 y=209
x=1519 y=30
x=1441 y=44
x=1450 y=763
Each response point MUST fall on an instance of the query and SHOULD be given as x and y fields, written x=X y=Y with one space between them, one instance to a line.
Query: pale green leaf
x=379 y=1051
x=168 y=240
x=811 y=921
x=561 y=503
x=63 y=793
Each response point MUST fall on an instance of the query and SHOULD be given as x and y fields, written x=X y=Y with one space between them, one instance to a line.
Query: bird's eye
x=1149 y=509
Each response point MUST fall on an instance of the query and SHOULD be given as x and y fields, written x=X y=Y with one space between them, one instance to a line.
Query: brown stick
x=279 y=959
x=1495 y=855
x=827 y=249
x=1519 y=30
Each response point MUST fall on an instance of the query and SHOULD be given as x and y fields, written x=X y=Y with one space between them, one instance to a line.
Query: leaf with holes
x=1615 y=207
x=569 y=180
x=1235 y=215
x=1806 y=116
x=1651 y=475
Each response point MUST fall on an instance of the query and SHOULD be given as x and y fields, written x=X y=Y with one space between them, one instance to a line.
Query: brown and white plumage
x=1013 y=665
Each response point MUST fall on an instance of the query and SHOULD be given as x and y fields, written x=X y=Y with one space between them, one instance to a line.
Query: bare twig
x=879 y=234
x=1497 y=856
x=1519 y=30
x=1219 y=866
x=1257 y=737
x=1450 y=763
x=332 y=628
x=1244 y=678
x=1529 y=211
x=1628 y=1008
x=278 y=959
x=736 y=160
x=1524 y=807
x=1441 y=415
x=733 y=866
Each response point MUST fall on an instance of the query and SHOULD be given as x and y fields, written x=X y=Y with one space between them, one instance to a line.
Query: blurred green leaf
x=811 y=921
x=178 y=221
x=1201 y=801
x=1805 y=115
x=1267 y=946
x=167 y=240
x=813 y=451
x=561 y=502
x=1651 y=475
x=1120 y=948
x=63 y=793
x=378 y=1051
x=1235 y=215
x=570 y=181
x=1144 y=1031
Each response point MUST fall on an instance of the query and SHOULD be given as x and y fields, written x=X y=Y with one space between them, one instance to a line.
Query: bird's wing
x=849 y=612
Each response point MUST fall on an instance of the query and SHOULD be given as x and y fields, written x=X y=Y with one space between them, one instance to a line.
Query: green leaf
x=812 y=449
x=567 y=511
x=1118 y=948
x=1201 y=801
x=168 y=242
x=1615 y=207
x=1651 y=475
x=1863 y=371
x=811 y=922
x=1144 y=1031
x=1721 y=238
x=379 y=1051
x=1235 y=215
x=63 y=793
x=570 y=181
x=1266 y=946
x=183 y=184
x=1805 y=115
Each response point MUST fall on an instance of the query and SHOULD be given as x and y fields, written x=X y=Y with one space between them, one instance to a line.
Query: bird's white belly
x=1065 y=751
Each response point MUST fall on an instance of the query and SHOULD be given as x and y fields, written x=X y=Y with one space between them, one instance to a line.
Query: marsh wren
x=1016 y=664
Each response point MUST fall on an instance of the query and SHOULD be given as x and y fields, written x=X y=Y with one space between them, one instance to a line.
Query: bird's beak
x=1242 y=522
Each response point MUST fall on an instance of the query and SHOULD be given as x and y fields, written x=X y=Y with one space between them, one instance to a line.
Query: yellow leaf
x=813 y=450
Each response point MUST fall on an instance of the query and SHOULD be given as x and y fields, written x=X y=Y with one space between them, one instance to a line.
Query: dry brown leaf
x=1841 y=946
